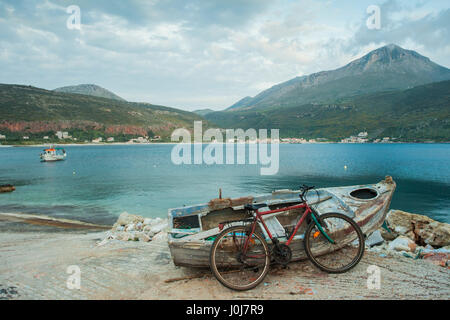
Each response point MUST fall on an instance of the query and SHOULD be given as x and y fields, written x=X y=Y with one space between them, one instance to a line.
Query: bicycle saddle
x=254 y=206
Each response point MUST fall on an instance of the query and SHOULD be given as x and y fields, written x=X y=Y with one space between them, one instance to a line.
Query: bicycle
x=240 y=256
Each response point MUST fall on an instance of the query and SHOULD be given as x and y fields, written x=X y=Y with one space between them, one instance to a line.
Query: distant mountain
x=90 y=90
x=38 y=112
x=203 y=112
x=418 y=114
x=387 y=68
x=241 y=103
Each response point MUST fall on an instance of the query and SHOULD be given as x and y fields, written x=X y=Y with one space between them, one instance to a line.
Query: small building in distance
x=360 y=138
x=362 y=134
x=110 y=139
x=2 y=137
x=294 y=140
x=46 y=138
x=98 y=140
x=139 y=140
x=26 y=138
x=63 y=135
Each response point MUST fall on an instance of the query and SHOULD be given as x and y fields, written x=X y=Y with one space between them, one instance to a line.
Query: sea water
x=97 y=183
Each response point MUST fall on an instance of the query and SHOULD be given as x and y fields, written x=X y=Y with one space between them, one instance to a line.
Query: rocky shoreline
x=413 y=236
x=410 y=235
x=131 y=227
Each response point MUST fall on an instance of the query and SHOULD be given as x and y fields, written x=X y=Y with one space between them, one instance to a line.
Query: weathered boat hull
x=191 y=247
x=47 y=158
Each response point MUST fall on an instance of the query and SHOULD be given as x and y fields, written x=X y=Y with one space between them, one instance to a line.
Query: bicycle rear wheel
x=340 y=248
x=235 y=267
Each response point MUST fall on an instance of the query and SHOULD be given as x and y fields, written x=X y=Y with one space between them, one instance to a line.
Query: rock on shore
x=413 y=235
x=421 y=229
x=130 y=227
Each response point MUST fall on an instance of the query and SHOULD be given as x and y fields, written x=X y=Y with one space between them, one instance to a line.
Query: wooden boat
x=193 y=228
x=53 y=154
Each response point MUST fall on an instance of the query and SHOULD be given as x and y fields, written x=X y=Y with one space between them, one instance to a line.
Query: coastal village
x=65 y=137
x=361 y=137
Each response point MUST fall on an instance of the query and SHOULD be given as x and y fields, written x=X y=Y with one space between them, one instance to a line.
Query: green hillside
x=36 y=112
x=418 y=114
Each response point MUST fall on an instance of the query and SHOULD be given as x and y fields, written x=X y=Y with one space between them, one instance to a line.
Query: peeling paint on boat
x=191 y=246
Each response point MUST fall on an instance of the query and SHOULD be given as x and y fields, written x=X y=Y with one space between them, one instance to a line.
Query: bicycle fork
x=319 y=226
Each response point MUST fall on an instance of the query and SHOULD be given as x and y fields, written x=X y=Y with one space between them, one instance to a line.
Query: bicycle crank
x=282 y=254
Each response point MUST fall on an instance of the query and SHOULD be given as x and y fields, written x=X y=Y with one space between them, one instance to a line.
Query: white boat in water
x=53 y=154
x=193 y=228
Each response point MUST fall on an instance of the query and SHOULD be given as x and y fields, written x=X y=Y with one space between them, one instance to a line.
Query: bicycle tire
x=220 y=275
x=318 y=251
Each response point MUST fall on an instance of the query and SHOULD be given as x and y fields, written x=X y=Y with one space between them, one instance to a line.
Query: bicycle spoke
x=239 y=260
x=346 y=250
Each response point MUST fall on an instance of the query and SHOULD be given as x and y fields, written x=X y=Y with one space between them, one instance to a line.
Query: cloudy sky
x=204 y=53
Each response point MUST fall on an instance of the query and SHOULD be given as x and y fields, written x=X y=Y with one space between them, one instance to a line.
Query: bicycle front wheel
x=338 y=247
x=240 y=261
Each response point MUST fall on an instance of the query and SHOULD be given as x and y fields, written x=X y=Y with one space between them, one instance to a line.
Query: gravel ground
x=34 y=265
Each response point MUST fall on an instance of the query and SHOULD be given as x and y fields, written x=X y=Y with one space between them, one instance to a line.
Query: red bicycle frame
x=259 y=216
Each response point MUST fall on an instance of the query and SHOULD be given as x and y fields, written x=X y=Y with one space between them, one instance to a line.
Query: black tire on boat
x=329 y=257
x=239 y=275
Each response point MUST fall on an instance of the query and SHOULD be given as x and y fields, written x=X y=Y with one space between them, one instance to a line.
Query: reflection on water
x=96 y=183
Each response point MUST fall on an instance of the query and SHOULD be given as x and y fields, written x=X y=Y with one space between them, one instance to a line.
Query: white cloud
x=202 y=54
